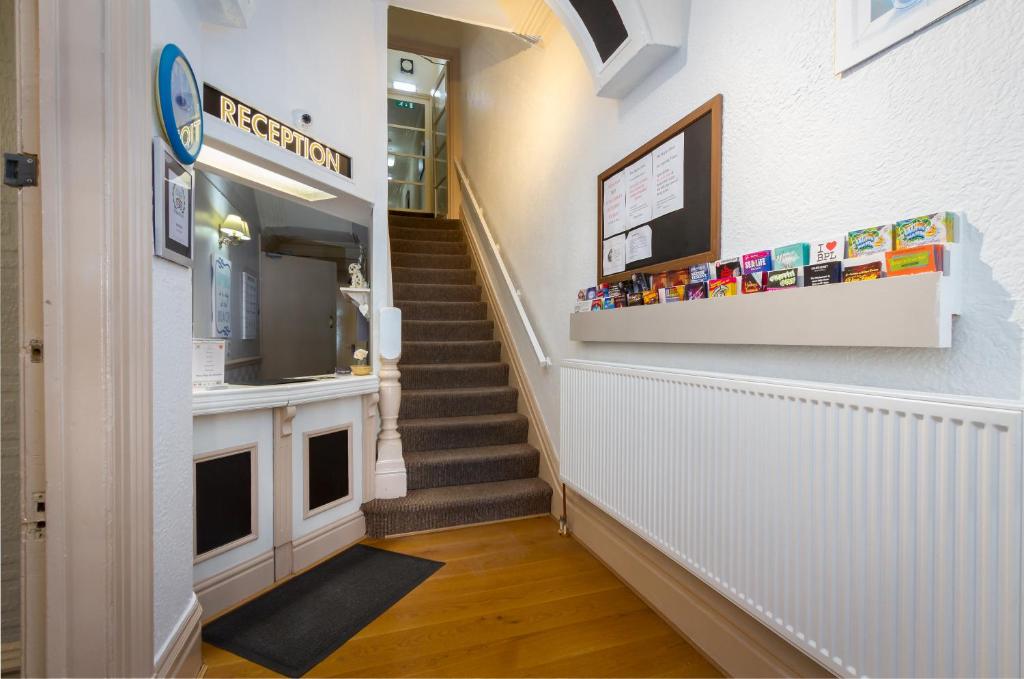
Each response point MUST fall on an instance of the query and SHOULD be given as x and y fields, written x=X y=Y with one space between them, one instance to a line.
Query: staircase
x=465 y=449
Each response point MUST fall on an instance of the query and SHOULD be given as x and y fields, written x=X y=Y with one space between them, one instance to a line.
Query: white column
x=390 y=471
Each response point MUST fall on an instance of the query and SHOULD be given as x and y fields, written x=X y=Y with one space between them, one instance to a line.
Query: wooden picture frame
x=713 y=107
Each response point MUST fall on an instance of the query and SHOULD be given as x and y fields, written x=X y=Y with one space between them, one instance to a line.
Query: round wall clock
x=179 y=103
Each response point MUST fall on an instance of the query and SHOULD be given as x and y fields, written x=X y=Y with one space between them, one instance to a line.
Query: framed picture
x=173 y=206
x=866 y=27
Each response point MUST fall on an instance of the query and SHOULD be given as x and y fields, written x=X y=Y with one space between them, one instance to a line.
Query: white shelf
x=903 y=311
x=360 y=297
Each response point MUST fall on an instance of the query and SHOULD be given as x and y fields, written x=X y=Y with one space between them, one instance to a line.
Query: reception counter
x=280 y=473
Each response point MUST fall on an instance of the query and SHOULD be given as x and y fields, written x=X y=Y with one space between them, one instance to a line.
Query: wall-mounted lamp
x=234 y=230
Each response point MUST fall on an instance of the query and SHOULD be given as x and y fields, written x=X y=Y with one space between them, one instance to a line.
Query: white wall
x=321 y=56
x=932 y=124
x=176 y=22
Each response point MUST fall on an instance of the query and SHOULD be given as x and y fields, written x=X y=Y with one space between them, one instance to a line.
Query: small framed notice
x=221 y=296
x=250 y=306
x=173 y=206
x=207 y=363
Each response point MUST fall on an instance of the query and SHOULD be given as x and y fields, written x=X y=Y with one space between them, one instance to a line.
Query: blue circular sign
x=179 y=103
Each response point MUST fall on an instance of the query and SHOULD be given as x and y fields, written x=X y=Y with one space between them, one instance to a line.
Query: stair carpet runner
x=465 y=446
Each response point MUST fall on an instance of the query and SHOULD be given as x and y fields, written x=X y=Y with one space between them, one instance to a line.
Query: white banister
x=513 y=290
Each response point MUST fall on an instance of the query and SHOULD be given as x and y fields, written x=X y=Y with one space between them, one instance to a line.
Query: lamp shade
x=235 y=227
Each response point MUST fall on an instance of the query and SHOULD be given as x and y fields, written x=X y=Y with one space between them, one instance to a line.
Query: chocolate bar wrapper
x=672 y=294
x=635 y=299
x=702 y=273
x=650 y=297
x=823 y=273
x=756 y=262
x=862 y=272
x=722 y=287
x=607 y=303
x=602 y=289
x=827 y=251
x=928 y=230
x=784 y=279
x=797 y=255
x=869 y=241
x=592 y=293
x=921 y=259
x=696 y=291
x=754 y=282
x=728 y=268
x=619 y=301
x=596 y=304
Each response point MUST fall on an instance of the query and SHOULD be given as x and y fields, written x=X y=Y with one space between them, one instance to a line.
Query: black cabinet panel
x=328 y=467
x=223 y=500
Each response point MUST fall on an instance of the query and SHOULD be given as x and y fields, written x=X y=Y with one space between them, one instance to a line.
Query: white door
x=298 y=302
x=409 y=152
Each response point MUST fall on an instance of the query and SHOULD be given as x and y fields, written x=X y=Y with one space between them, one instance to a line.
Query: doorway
x=417 y=129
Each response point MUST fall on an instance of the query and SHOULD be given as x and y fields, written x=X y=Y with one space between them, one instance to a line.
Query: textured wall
x=931 y=124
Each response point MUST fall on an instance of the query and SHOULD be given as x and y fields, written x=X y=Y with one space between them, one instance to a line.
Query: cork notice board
x=660 y=207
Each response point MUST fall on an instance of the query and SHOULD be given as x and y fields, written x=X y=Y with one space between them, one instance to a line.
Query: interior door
x=439 y=142
x=298 y=298
x=409 y=144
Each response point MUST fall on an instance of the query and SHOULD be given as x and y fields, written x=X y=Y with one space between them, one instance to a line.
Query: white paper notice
x=668 y=177
x=614 y=205
x=207 y=363
x=250 y=306
x=639 y=191
x=178 y=205
x=638 y=244
x=614 y=255
x=221 y=296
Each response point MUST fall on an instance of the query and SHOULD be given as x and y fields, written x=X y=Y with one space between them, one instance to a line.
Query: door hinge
x=35 y=349
x=35 y=523
x=21 y=169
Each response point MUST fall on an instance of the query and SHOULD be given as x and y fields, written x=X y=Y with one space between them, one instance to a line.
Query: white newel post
x=390 y=470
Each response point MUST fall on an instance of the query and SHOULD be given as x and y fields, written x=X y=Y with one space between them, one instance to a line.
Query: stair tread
x=425 y=235
x=470 y=493
x=464 y=343
x=472 y=453
x=459 y=391
x=452 y=366
x=462 y=420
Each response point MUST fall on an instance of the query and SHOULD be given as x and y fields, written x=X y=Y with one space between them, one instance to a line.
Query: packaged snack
x=922 y=259
x=722 y=287
x=607 y=303
x=635 y=299
x=659 y=281
x=823 y=273
x=696 y=291
x=640 y=282
x=869 y=241
x=678 y=277
x=791 y=256
x=702 y=273
x=650 y=297
x=827 y=251
x=728 y=268
x=784 y=279
x=927 y=230
x=754 y=282
x=592 y=293
x=596 y=304
x=756 y=262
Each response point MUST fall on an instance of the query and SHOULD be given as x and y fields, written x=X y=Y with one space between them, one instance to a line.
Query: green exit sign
x=405 y=104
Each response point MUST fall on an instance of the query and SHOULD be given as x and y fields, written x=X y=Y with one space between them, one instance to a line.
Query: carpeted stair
x=465 y=446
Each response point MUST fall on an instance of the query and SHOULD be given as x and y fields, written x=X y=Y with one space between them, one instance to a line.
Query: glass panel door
x=409 y=169
x=439 y=102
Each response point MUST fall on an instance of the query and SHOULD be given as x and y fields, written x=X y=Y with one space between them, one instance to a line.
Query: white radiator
x=878 y=532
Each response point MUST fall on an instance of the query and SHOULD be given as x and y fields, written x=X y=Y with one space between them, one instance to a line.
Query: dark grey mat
x=293 y=627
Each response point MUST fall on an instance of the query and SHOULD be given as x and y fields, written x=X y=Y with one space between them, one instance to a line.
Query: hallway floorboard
x=514 y=599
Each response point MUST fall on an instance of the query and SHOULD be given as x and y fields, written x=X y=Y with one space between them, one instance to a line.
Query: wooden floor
x=513 y=600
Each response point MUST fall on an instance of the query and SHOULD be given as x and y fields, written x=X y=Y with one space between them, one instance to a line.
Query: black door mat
x=296 y=625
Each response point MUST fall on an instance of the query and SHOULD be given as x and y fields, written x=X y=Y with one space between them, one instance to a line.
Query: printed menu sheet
x=639 y=191
x=668 y=176
x=614 y=205
x=638 y=244
x=614 y=255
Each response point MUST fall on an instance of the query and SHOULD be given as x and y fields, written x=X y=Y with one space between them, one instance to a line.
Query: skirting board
x=224 y=590
x=321 y=543
x=183 y=656
x=737 y=643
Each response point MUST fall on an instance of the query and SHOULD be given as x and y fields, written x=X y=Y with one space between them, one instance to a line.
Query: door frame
x=96 y=129
x=453 y=104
